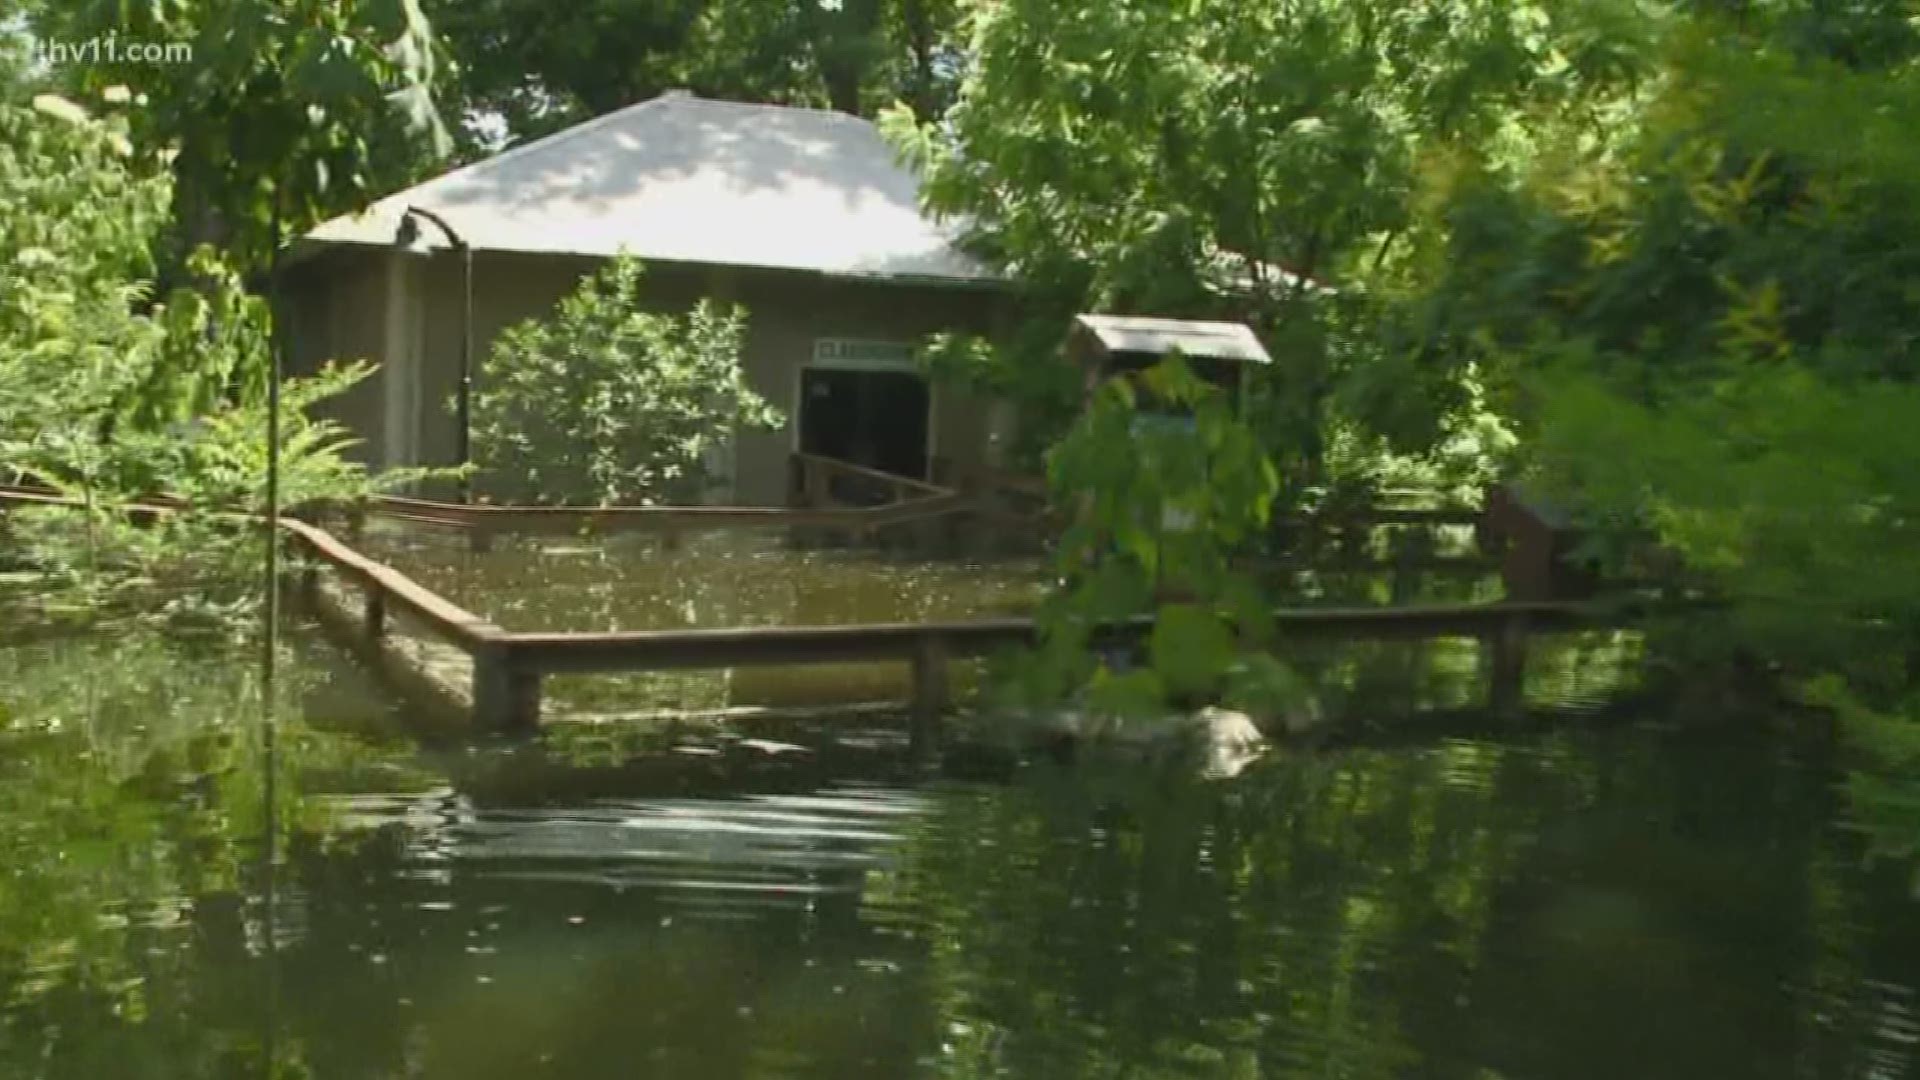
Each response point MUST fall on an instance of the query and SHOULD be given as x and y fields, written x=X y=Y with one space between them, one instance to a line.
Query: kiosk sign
x=856 y=353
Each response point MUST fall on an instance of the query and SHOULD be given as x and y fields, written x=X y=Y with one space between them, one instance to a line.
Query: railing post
x=506 y=694
x=1406 y=578
x=1507 y=683
x=309 y=585
x=374 y=619
x=479 y=539
x=930 y=695
x=809 y=482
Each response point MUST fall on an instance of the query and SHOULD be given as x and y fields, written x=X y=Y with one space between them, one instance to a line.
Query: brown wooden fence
x=814 y=506
x=508 y=667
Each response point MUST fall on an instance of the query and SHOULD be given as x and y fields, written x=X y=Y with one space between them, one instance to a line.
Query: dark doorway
x=872 y=418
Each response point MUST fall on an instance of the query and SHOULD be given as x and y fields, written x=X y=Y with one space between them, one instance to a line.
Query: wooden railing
x=654 y=519
x=1021 y=499
x=40 y=495
x=908 y=500
x=385 y=590
x=819 y=481
x=508 y=667
x=507 y=682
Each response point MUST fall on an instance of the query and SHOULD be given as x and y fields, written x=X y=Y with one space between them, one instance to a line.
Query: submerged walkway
x=504 y=688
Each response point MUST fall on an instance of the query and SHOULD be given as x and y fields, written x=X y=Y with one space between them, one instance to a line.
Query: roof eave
x=306 y=249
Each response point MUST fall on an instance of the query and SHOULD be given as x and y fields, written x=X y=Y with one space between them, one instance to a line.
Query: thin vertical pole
x=930 y=698
x=270 y=657
x=1506 y=692
x=465 y=434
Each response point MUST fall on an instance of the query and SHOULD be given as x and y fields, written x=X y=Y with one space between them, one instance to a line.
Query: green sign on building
x=852 y=352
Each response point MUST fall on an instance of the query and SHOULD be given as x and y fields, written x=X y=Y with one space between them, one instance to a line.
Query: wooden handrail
x=462 y=627
x=1028 y=486
x=449 y=620
x=737 y=646
x=49 y=497
x=1383 y=515
x=848 y=468
x=977 y=475
x=568 y=519
x=508 y=667
x=659 y=517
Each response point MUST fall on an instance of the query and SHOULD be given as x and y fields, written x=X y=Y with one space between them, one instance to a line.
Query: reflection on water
x=1654 y=899
x=765 y=578
x=712 y=579
x=774 y=577
x=723 y=578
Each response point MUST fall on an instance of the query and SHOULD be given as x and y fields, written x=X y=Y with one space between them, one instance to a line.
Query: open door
x=878 y=419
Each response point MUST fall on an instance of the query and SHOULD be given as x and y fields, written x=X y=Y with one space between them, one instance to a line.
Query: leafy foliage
x=294 y=108
x=17 y=74
x=1702 y=327
x=109 y=396
x=537 y=66
x=1228 y=159
x=607 y=404
x=1160 y=509
x=1694 y=292
x=65 y=282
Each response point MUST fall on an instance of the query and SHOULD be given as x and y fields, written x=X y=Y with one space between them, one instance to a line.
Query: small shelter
x=1117 y=346
x=1110 y=346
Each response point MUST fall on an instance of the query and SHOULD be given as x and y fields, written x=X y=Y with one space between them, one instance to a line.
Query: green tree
x=1226 y=158
x=606 y=404
x=16 y=52
x=1696 y=294
x=298 y=109
x=1704 y=322
x=109 y=395
x=537 y=66
x=1159 y=507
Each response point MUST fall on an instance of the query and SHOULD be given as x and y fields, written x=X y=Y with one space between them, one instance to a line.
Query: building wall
x=338 y=309
x=507 y=289
x=787 y=313
x=353 y=295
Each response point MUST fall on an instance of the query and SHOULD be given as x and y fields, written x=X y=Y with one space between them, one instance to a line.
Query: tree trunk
x=844 y=49
x=920 y=43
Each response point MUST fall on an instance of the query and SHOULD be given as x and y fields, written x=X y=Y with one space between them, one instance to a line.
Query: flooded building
x=805 y=217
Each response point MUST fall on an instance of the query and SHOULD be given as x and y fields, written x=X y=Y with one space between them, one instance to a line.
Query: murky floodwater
x=1679 y=895
x=722 y=578
x=765 y=578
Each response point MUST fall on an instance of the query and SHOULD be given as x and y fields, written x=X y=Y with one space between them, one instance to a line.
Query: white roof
x=686 y=179
x=1202 y=340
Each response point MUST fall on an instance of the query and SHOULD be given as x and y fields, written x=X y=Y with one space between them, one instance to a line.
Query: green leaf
x=1190 y=649
x=1136 y=694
